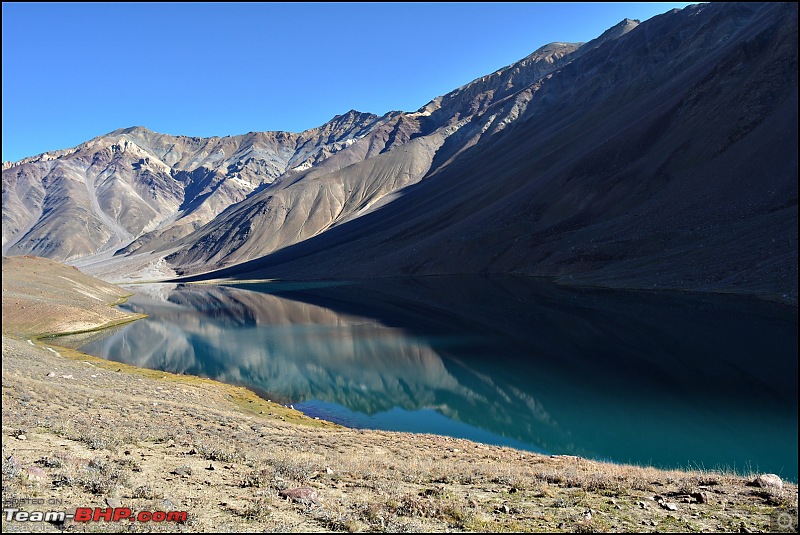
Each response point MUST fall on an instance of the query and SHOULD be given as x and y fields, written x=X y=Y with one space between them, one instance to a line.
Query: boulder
x=304 y=495
x=768 y=481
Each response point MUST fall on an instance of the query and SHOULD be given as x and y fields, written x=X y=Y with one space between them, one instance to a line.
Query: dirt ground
x=79 y=431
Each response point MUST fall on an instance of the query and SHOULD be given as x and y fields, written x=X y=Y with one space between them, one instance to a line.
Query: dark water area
x=659 y=378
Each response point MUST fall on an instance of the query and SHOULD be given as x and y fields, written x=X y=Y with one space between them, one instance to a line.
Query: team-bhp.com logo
x=785 y=522
x=94 y=514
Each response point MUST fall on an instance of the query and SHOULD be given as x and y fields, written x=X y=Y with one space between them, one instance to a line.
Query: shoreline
x=97 y=433
x=559 y=280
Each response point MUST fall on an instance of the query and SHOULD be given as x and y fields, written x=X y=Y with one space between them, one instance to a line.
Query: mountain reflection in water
x=670 y=379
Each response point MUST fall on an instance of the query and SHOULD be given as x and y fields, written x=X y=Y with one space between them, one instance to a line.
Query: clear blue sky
x=75 y=71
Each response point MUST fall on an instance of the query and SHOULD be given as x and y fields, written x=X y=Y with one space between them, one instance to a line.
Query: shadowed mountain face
x=661 y=154
x=666 y=157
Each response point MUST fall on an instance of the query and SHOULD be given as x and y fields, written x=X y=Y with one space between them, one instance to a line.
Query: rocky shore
x=83 y=432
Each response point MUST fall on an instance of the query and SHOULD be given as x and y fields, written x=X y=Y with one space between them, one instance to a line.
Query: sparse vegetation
x=93 y=433
x=365 y=481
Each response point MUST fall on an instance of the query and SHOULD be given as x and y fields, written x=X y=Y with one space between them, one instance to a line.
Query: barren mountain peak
x=133 y=129
x=615 y=32
x=618 y=169
x=560 y=164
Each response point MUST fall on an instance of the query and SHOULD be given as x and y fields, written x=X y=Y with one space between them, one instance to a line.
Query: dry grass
x=162 y=450
x=147 y=439
x=85 y=431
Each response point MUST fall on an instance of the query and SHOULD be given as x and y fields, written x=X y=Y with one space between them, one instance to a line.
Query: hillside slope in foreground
x=96 y=433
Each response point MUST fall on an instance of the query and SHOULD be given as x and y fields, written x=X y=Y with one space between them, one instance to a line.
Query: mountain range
x=661 y=154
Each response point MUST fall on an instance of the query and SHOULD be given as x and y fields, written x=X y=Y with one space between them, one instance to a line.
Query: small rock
x=329 y=470
x=769 y=481
x=669 y=506
x=114 y=503
x=34 y=472
x=304 y=495
x=21 y=437
x=51 y=374
x=184 y=470
x=652 y=522
x=210 y=467
x=12 y=463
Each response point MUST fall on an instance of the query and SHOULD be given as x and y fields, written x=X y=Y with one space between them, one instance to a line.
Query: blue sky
x=75 y=71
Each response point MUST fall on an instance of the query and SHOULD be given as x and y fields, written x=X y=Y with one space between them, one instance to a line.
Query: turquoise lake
x=667 y=379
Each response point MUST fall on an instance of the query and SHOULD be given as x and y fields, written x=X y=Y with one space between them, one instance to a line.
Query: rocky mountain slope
x=134 y=191
x=663 y=158
x=661 y=154
x=132 y=186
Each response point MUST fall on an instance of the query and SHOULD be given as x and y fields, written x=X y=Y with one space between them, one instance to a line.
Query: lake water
x=659 y=378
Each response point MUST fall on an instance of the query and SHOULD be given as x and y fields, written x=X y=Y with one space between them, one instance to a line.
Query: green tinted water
x=668 y=379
